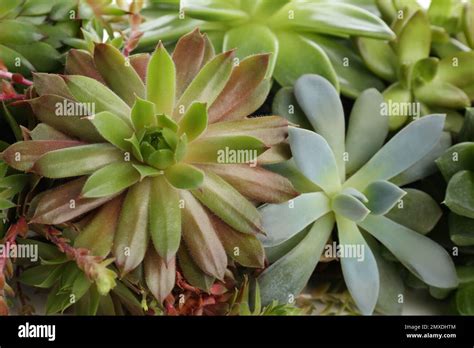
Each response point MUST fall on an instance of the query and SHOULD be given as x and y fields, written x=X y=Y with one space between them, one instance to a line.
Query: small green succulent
x=303 y=36
x=353 y=184
x=172 y=159
x=33 y=33
x=421 y=83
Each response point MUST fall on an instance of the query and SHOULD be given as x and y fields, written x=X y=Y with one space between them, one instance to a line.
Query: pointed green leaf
x=110 y=180
x=117 y=73
x=131 y=238
x=194 y=121
x=77 y=160
x=184 y=176
x=360 y=272
x=282 y=221
x=192 y=273
x=143 y=114
x=228 y=204
x=113 y=129
x=165 y=218
x=414 y=40
x=349 y=207
x=161 y=81
x=423 y=257
x=382 y=196
x=407 y=147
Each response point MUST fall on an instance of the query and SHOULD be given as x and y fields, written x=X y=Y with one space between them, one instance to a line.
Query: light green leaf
x=113 y=129
x=228 y=204
x=349 y=207
x=184 y=176
x=117 y=73
x=407 y=147
x=143 y=114
x=365 y=119
x=213 y=10
x=165 y=218
x=131 y=239
x=360 y=272
x=461 y=230
x=423 y=257
x=282 y=221
x=459 y=194
x=314 y=158
x=322 y=106
x=382 y=196
x=110 y=179
x=457 y=158
x=379 y=57
x=194 y=121
x=76 y=160
x=414 y=40
x=332 y=18
x=289 y=66
x=161 y=81
x=250 y=39
x=288 y=276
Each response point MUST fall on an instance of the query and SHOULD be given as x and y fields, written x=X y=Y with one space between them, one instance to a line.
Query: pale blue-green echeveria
x=304 y=36
x=352 y=182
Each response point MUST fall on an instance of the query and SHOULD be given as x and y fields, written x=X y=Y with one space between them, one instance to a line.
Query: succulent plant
x=33 y=32
x=421 y=83
x=303 y=36
x=354 y=182
x=455 y=164
x=172 y=159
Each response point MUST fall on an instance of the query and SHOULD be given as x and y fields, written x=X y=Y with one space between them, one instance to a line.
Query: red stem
x=17 y=78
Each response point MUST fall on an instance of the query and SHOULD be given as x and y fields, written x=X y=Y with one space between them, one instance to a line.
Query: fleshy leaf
x=382 y=196
x=407 y=147
x=287 y=277
x=365 y=118
x=414 y=40
x=236 y=149
x=379 y=57
x=131 y=239
x=194 y=121
x=113 y=129
x=282 y=221
x=77 y=160
x=459 y=197
x=201 y=238
x=289 y=67
x=165 y=218
x=98 y=234
x=228 y=204
x=184 y=176
x=360 y=272
x=159 y=274
x=413 y=205
x=110 y=180
x=322 y=106
x=461 y=230
x=23 y=154
x=322 y=168
x=456 y=158
x=119 y=76
x=192 y=272
x=243 y=82
x=423 y=257
x=143 y=114
x=161 y=81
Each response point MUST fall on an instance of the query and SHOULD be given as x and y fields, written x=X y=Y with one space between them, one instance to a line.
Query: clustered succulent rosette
x=148 y=161
x=353 y=182
x=456 y=166
x=417 y=74
x=33 y=33
x=304 y=36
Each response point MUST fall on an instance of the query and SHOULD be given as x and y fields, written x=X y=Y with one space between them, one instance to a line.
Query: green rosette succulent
x=422 y=80
x=33 y=33
x=168 y=160
x=353 y=182
x=456 y=166
x=303 y=36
